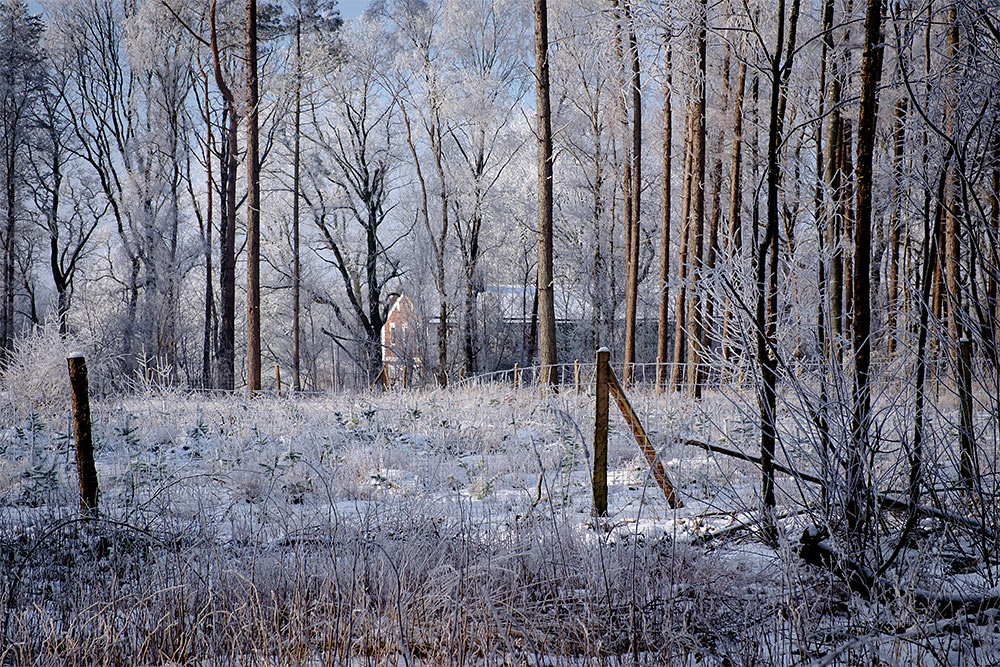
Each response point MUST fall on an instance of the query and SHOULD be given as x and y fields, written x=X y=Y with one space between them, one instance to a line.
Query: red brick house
x=401 y=340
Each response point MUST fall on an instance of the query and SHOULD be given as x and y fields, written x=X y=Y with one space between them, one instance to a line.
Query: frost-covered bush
x=35 y=378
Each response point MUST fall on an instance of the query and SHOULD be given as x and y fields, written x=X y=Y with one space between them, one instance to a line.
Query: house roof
x=514 y=302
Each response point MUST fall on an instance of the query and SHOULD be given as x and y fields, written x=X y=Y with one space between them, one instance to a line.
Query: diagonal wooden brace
x=615 y=389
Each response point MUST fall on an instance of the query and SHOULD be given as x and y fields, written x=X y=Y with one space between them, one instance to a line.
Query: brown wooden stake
x=517 y=377
x=576 y=375
x=85 y=467
x=277 y=379
x=640 y=437
x=600 y=478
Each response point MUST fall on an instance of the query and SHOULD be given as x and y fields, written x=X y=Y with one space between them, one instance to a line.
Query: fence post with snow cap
x=600 y=477
x=82 y=434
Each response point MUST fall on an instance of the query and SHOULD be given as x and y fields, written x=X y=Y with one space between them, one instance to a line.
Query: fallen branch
x=815 y=550
x=885 y=500
x=888 y=502
x=750 y=524
x=752 y=459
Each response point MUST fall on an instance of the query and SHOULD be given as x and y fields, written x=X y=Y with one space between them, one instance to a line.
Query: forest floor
x=427 y=527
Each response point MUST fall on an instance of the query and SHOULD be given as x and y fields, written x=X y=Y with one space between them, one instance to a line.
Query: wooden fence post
x=86 y=470
x=517 y=376
x=600 y=478
x=576 y=375
x=277 y=379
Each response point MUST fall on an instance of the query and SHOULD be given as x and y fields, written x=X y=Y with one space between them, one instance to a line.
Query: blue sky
x=349 y=9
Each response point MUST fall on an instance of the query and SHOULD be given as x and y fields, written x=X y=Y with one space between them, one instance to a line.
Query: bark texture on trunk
x=545 y=290
x=253 y=203
x=296 y=188
x=734 y=245
x=632 y=279
x=663 y=312
x=696 y=227
x=226 y=357
x=858 y=506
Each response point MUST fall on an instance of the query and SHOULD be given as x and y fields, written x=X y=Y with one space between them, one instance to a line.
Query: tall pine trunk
x=296 y=188
x=895 y=223
x=696 y=227
x=253 y=203
x=545 y=289
x=662 y=325
x=734 y=245
x=680 y=298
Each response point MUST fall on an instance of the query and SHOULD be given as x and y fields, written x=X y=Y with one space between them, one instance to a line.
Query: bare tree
x=21 y=79
x=766 y=322
x=351 y=131
x=67 y=209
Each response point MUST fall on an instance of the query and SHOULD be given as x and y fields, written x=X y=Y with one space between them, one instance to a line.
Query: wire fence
x=581 y=375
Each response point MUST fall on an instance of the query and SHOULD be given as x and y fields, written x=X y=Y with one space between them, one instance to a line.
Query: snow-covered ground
x=426 y=527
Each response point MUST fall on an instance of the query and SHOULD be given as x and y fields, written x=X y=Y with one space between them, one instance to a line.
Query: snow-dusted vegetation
x=309 y=309
x=429 y=527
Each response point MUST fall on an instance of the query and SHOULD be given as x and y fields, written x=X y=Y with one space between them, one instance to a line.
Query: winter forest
x=312 y=317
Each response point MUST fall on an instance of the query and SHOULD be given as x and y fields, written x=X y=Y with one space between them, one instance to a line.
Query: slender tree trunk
x=928 y=284
x=253 y=204
x=632 y=291
x=206 y=354
x=227 y=262
x=680 y=298
x=821 y=212
x=532 y=333
x=895 y=224
x=847 y=215
x=7 y=323
x=715 y=222
x=858 y=509
x=767 y=266
x=697 y=224
x=832 y=142
x=470 y=257
x=993 y=288
x=663 y=326
x=952 y=249
x=599 y=319
x=545 y=291
x=296 y=188
x=442 y=336
x=735 y=242
x=226 y=358
x=627 y=189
